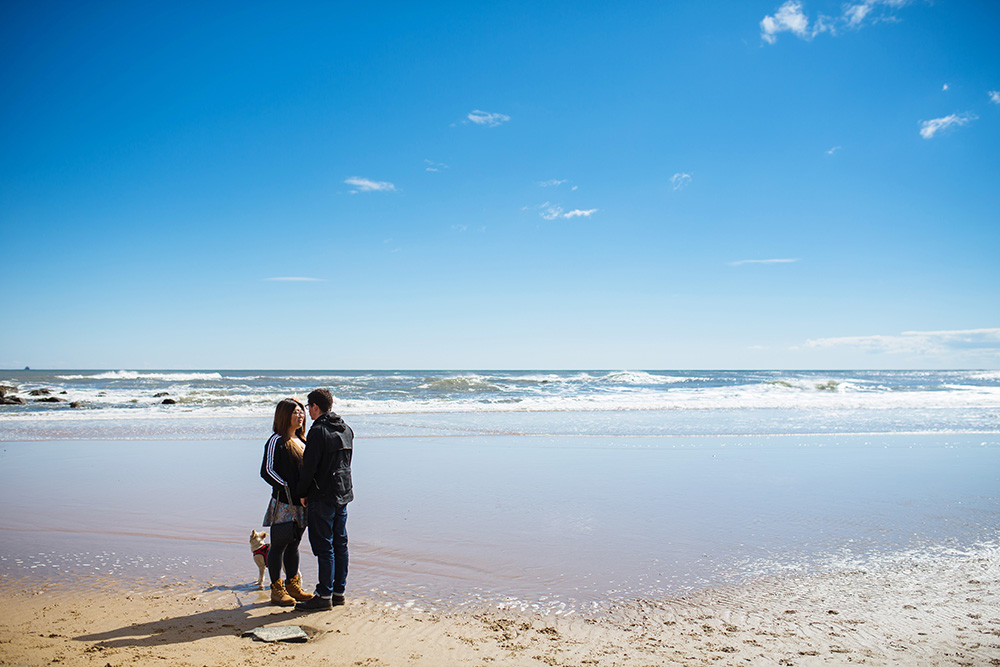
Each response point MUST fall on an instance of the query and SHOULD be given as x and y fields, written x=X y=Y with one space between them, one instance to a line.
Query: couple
x=311 y=485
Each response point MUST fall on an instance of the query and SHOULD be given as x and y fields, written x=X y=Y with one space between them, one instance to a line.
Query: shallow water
x=554 y=521
x=68 y=425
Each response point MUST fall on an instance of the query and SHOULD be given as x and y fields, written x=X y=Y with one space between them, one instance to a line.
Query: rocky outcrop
x=6 y=390
x=168 y=401
x=49 y=399
x=11 y=400
x=39 y=392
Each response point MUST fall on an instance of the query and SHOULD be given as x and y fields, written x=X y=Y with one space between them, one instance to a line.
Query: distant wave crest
x=642 y=377
x=136 y=375
x=461 y=383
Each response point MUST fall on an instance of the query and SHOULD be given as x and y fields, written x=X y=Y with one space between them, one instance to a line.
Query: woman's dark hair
x=283 y=420
x=283 y=417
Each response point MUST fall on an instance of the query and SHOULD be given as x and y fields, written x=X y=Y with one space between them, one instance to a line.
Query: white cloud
x=994 y=96
x=434 y=166
x=488 y=119
x=553 y=183
x=680 y=180
x=552 y=211
x=929 y=128
x=944 y=87
x=790 y=17
x=366 y=185
x=833 y=150
x=855 y=14
x=921 y=343
x=762 y=261
x=295 y=279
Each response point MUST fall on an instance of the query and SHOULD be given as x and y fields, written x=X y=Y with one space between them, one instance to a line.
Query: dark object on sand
x=168 y=401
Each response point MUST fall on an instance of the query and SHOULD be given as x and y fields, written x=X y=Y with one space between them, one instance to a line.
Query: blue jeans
x=328 y=539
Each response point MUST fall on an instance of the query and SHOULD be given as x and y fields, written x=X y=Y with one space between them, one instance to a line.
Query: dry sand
x=943 y=611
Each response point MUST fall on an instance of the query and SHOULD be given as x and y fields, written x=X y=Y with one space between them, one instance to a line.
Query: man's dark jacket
x=326 y=464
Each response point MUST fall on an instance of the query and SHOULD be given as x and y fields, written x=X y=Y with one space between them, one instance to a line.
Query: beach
x=835 y=527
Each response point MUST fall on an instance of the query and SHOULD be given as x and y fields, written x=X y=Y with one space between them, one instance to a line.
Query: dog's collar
x=262 y=551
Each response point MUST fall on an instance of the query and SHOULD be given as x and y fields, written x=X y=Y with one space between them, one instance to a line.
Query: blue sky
x=638 y=185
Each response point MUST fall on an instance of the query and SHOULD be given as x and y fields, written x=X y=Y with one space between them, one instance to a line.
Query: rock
x=7 y=389
x=168 y=401
x=277 y=633
x=76 y=404
x=49 y=399
x=39 y=392
x=161 y=394
x=11 y=400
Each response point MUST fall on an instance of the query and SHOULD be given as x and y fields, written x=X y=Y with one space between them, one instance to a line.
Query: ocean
x=168 y=403
x=555 y=491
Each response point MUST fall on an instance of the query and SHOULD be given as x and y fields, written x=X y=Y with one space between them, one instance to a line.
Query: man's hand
x=304 y=501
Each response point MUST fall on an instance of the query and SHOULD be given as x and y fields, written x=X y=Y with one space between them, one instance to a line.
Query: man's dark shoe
x=338 y=600
x=316 y=603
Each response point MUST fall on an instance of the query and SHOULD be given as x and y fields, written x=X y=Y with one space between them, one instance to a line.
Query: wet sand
x=942 y=611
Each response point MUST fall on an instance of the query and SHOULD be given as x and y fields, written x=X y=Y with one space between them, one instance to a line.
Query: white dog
x=259 y=548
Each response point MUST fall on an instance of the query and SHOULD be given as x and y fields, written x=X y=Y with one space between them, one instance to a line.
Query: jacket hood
x=332 y=421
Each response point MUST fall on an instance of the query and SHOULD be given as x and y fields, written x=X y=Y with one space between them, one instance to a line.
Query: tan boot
x=279 y=596
x=294 y=586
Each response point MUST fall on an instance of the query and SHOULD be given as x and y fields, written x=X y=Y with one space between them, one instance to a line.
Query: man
x=325 y=488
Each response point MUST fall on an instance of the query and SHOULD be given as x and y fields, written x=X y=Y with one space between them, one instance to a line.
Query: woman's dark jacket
x=280 y=469
x=326 y=465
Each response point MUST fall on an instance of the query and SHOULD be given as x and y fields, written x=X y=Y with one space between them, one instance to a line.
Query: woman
x=285 y=514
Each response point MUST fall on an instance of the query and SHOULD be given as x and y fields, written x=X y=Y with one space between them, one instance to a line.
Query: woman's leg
x=291 y=558
x=279 y=592
x=274 y=558
x=277 y=555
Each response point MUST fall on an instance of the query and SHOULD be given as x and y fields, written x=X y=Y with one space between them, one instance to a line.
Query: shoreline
x=943 y=611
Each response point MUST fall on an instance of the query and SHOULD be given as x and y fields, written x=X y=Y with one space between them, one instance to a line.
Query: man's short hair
x=321 y=398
